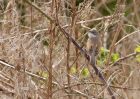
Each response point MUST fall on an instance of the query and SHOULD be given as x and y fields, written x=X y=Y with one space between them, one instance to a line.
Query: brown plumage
x=93 y=44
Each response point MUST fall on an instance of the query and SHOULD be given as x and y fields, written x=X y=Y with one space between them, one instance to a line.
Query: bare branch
x=100 y=75
x=124 y=58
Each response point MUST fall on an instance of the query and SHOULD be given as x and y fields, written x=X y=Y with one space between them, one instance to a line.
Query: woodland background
x=38 y=60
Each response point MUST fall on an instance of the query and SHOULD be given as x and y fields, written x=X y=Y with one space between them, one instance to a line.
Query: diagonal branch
x=76 y=45
x=87 y=57
x=37 y=8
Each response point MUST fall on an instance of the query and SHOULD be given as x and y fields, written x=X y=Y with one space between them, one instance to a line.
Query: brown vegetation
x=43 y=52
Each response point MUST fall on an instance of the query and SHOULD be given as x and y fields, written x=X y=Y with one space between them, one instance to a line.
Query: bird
x=93 y=45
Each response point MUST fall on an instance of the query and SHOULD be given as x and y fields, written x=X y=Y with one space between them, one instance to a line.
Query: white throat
x=90 y=35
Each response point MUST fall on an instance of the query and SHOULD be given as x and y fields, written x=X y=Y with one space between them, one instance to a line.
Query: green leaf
x=103 y=53
x=73 y=70
x=115 y=57
x=102 y=56
x=137 y=49
x=43 y=74
x=138 y=58
x=104 y=49
x=85 y=72
x=101 y=62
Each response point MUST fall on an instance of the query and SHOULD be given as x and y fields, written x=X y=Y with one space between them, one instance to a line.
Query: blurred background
x=37 y=61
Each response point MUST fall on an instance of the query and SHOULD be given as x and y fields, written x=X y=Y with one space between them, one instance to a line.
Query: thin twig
x=65 y=26
x=37 y=8
x=6 y=86
x=133 y=33
x=124 y=58
x=22 y=71
x=101 y=18
x=100 y=75
x=97 y=83
x=119 y=9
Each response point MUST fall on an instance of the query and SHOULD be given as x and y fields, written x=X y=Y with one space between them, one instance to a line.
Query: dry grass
x=38 y=61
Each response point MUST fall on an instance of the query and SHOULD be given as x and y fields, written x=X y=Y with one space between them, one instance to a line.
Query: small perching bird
x=93 y=44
